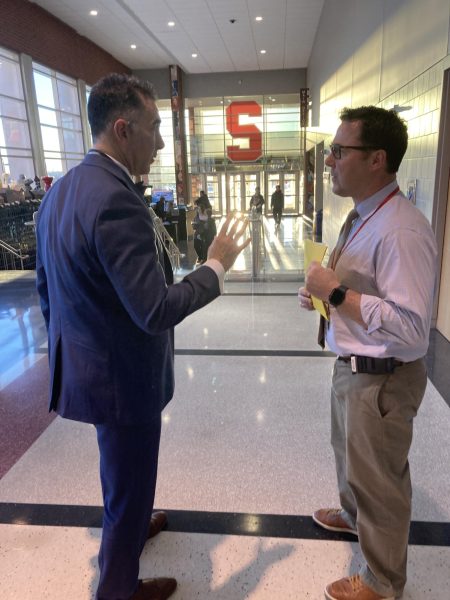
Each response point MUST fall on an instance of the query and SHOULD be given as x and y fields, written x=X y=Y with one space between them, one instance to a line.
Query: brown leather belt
x=368 y=364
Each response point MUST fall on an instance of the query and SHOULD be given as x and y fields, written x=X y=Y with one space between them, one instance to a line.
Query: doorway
x=443 y=316
x=289 y=186
x=233 y=191
x=239 y=188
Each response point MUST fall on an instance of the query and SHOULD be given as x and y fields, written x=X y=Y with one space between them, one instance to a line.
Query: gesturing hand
x=225 y=246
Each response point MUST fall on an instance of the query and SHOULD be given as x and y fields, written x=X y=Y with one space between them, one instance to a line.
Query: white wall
x=382 y=52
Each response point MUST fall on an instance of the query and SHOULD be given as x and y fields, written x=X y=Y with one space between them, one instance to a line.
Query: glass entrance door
x=291 y=193
x=251 y=181
x=234 y=199
x=212 y=191
x=240 y=188
x=290 y=188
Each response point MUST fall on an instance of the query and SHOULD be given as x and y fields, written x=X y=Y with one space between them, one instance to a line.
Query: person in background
x=379 y=286
x=204 y=227
x=257 y=201
x=277 y=204
x=204 y=200
x=159 y=208
x=110 y=306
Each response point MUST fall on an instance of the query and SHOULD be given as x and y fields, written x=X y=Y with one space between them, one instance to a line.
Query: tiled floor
x=245 y=459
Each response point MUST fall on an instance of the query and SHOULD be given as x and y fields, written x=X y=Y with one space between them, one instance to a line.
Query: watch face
x=337 y=295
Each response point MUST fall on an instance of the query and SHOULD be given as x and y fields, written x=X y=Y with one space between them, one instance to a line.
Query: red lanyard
x=385 y=201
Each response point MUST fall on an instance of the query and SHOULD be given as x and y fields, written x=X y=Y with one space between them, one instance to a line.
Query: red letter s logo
x=254 y=135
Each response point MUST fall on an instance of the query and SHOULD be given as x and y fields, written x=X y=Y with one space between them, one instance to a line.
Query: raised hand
x=225 y=246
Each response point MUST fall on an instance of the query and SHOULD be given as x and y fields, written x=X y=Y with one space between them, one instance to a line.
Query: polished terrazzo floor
x=245 y=459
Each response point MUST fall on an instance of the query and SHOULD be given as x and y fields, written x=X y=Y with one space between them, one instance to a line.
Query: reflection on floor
x=245 y=459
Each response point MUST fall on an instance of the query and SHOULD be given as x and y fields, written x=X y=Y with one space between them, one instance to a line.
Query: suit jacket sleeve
x=125 y=243
x=41 y=284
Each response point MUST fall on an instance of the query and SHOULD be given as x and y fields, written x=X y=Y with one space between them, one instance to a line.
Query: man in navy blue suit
x=110 y=306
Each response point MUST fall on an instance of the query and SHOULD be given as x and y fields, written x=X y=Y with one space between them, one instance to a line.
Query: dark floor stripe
x=423 y=533
x=225 y=352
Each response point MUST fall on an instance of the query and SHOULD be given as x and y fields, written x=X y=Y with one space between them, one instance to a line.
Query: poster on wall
x=411 y=190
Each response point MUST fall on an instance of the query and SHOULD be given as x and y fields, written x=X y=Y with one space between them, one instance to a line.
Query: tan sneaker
x=331 y=519
x=352 y=588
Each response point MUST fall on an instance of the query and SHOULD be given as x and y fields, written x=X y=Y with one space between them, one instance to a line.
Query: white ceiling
x=286 y=32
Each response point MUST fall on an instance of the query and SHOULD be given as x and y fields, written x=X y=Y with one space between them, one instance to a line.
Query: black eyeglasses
x=335 y=149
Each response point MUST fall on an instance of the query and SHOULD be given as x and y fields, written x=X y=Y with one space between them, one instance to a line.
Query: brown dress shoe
x=157 y=522
x=331 y=519
x=155 y=589
x=352 y=588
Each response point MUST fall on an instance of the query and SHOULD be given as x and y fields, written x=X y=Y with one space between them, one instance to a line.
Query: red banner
x=249 y=131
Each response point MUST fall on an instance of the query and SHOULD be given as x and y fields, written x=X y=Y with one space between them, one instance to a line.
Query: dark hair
x=113 y=96
x=381 y=129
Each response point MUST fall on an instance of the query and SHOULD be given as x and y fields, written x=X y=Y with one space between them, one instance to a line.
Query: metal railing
x=11 y=255
x=18 y=240
x=166 y=240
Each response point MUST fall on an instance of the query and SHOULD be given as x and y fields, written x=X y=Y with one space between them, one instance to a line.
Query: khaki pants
x=371 y=433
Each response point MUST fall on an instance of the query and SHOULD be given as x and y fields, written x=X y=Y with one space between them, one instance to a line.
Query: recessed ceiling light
x=93 y=13
x=258 y=18
x=262 y=51
x=194 y=55
x=171 y=23
x=273 y=99
x=133 y=46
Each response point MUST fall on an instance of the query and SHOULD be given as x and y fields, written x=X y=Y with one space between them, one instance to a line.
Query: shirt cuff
x=218 y=269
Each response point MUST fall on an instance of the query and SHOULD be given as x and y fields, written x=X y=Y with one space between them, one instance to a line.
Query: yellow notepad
x=315 y=252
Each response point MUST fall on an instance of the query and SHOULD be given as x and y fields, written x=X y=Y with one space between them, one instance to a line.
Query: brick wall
x=28 y=28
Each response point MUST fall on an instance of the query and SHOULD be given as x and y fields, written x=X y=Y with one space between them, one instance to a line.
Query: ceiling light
x=93 y=13
x=133 y=46
x=258 y=18
x=262 y=51
x=194 y=55
x=171 y=23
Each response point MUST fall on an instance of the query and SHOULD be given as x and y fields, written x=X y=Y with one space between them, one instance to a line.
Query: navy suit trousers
x=128 y=469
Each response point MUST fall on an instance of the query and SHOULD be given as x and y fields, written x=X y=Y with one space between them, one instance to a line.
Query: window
x=60 y=120
x=16 y=158
x=275 y=120
x=162 y=174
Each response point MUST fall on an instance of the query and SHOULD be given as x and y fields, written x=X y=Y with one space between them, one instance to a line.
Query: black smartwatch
x=337 y=295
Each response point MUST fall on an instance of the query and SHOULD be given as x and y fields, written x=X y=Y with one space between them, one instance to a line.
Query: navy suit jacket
x=108 y=309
